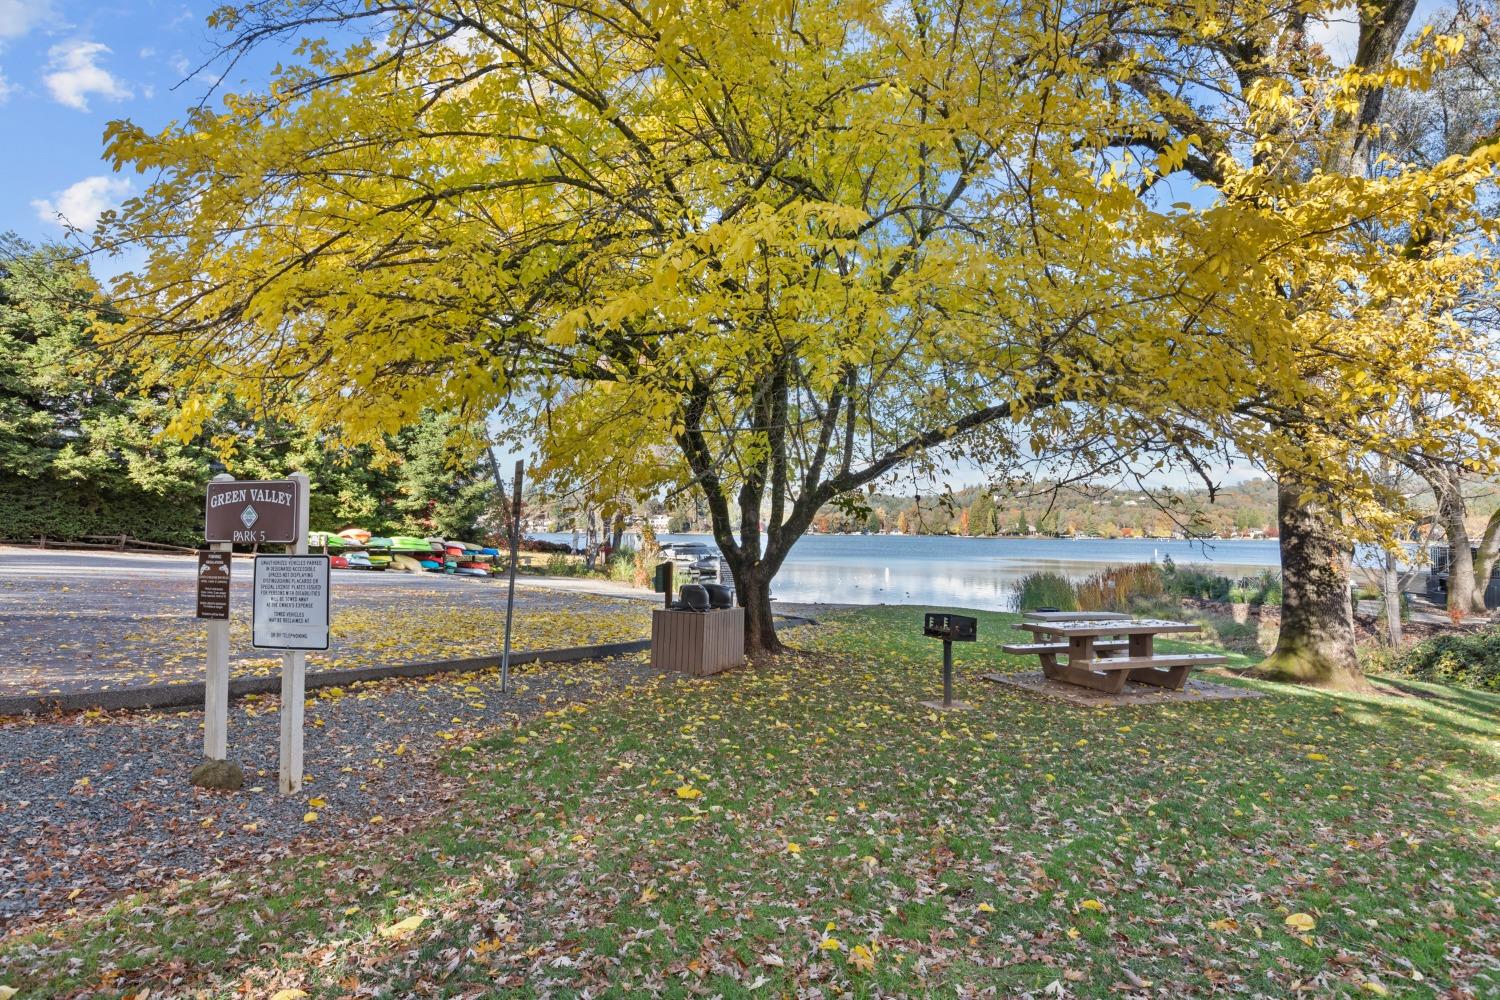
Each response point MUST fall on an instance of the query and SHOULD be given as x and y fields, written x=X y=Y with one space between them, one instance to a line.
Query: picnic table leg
x=1173 y=679
x=1081 y=650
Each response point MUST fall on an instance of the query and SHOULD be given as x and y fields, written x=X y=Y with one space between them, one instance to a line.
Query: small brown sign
x=251 y=511
x=213 y=585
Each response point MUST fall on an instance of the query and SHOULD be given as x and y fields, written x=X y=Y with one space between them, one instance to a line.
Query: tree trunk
x=617 y=531
x=1462 y=595
x=1316 y=644
x=752 y=588
x=1391 y=589
x=1487 y=559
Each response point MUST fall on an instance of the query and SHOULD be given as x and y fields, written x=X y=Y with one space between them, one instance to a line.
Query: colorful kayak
x=319 y=540
x=405 y=563
x=409 y=543
x=357 y=535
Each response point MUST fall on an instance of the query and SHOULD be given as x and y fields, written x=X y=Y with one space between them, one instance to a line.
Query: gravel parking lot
x=73 y=621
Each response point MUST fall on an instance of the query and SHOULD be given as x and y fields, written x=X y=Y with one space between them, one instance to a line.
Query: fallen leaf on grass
x=288 y=995
x=688 y=792
x=402 y=928
x=1300 y=922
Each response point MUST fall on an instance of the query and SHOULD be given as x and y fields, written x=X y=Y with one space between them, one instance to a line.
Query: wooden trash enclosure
x=699 y=643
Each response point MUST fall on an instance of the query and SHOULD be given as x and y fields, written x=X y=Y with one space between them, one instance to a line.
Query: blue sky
x=67 y=67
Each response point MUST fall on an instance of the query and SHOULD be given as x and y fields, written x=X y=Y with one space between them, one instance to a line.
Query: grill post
x=947 y=673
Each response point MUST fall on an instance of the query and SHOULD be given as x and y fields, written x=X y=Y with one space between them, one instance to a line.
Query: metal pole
x=947 y=673
x=294 y=671
x=510 y=593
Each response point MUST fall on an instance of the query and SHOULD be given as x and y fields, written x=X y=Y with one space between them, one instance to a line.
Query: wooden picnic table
x=1094 y=649
x=1075 y=616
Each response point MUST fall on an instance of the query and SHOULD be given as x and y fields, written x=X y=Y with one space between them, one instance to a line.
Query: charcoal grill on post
x=950 y=629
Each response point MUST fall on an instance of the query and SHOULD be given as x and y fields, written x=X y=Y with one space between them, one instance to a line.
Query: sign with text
x=251 y=511
x=291 y=602
x=213 y=586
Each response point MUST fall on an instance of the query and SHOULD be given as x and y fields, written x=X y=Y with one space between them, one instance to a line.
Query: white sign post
x=291 y=614
x=216 y=681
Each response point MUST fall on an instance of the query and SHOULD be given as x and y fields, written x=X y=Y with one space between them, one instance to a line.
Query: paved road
x=72 y=621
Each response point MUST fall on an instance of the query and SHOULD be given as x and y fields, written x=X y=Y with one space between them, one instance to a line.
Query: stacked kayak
x=472 y=560
x=357 y=548
x=379 y=551
x=324 y=541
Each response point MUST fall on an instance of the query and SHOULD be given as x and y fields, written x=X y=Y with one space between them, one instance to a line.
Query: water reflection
x=971 y=572
x=989 y=586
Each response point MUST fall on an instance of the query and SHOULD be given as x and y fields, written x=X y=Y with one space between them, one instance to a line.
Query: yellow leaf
x=6 y=992
x=1375 y=988
x=402 y=928
x=1317 y=756
x=288 y=995
x=310 y=817
x=793 y=848
x=1300 y=922
x=862 y=958
x=688 y=792
x=985 y=908
x=1226 y=924
x=831 y=944
x=1091 y=904
x=1072 y=933
x=317 y=803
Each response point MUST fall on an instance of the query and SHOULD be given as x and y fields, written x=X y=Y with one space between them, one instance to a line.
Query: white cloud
x=80 y=205
x=18 y=17
x=6 y=88
x=76 y=74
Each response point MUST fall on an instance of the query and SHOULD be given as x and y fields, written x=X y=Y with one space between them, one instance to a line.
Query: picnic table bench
x=1091 y=645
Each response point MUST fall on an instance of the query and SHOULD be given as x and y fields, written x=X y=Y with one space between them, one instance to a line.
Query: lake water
x=972 y=572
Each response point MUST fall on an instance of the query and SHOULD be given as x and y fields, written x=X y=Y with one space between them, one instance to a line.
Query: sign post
x=287 y=594
x=216 y=680
x=510 y=593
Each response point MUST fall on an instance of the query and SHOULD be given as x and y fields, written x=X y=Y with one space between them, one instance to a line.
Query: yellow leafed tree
x=773 y=251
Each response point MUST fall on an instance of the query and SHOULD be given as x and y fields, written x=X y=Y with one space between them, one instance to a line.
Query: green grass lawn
x=778 y=830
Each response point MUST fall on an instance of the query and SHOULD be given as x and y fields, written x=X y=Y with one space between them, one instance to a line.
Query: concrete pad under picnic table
x=1195 y=690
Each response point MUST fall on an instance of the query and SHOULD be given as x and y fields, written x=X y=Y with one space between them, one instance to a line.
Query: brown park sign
x=251 y=511
x=213 y=585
